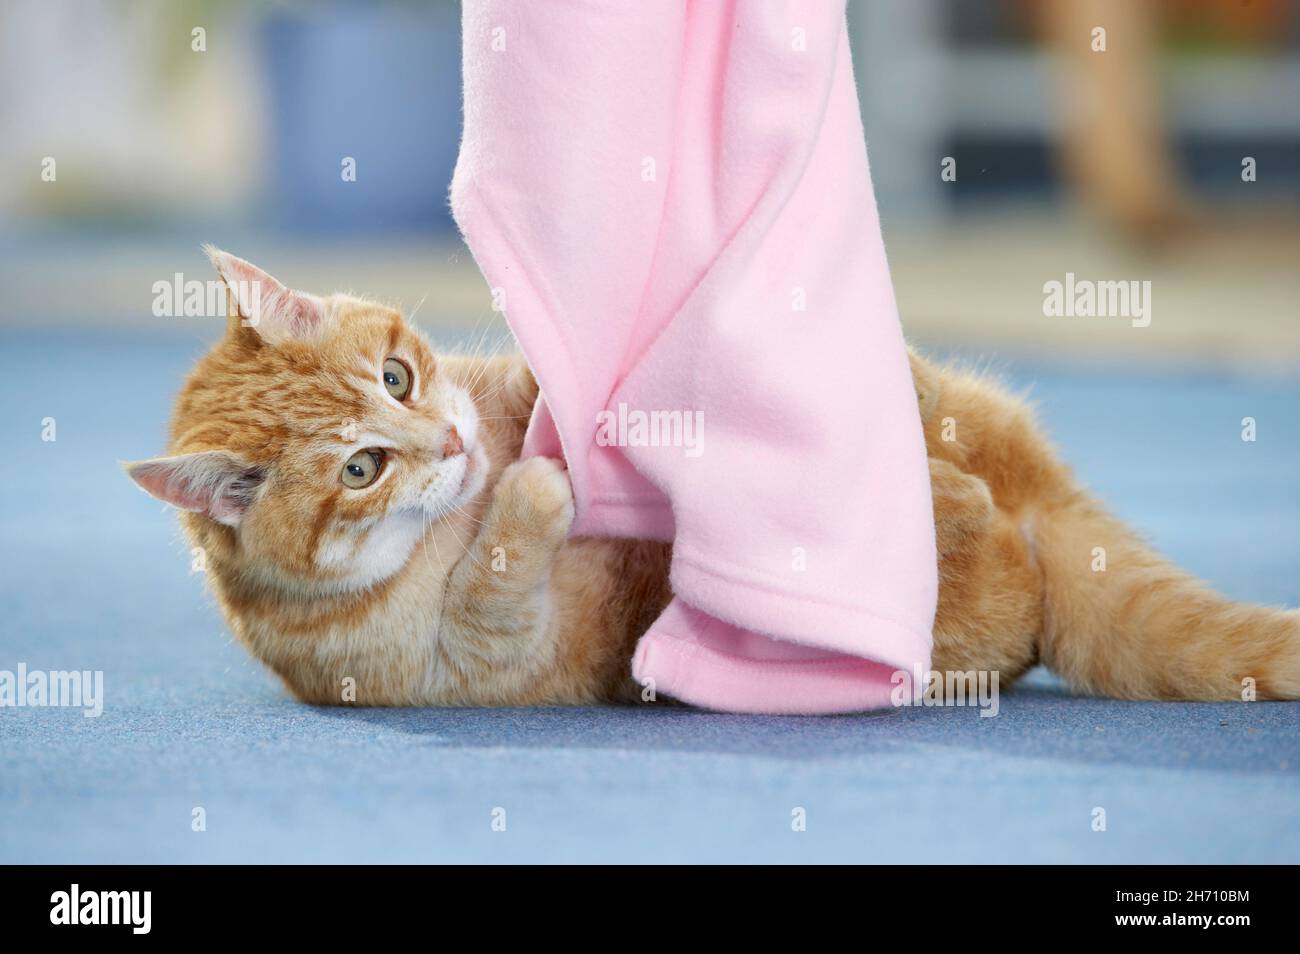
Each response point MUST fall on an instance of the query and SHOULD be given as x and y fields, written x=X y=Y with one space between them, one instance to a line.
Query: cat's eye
x=361 y=469
x=397 y=379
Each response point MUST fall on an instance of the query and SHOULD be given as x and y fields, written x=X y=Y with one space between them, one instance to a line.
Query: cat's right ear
x=216 y=483
x=264 y=304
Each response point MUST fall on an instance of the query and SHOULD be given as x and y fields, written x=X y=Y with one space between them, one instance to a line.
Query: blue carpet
x=95 y=576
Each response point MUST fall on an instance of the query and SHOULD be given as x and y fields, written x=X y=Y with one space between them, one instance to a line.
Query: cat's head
x=318 y=440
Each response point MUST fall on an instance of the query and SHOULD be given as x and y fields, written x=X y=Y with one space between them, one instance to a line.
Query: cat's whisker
x=479 y=335
x=485 y=360
x=466 y=514
x=447 y=524
x=418 y=305
x=487 y=396
x=494 y=390
x=430 y=534
x=460 y=348
x=479 y=376
x=492 y=385
x=460 y=509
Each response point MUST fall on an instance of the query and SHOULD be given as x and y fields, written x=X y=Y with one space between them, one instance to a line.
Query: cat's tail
x=1122 y=621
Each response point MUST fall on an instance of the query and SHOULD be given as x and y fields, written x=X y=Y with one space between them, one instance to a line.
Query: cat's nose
x=453 y=445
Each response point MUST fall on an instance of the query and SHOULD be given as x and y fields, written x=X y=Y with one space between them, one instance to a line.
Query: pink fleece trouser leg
x=673 y=202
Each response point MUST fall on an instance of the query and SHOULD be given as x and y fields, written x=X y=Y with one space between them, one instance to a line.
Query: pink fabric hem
x=800 y=618
x=692 y=673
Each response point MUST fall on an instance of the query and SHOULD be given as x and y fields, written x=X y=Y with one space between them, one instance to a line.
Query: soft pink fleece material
x=672 y=204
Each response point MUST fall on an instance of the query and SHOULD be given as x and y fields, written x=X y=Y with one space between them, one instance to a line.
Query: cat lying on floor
x=372 y=537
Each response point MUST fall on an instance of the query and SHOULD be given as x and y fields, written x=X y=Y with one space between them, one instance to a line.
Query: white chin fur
x=385 y=551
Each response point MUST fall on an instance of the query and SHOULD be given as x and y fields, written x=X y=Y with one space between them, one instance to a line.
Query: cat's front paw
x=536 y=495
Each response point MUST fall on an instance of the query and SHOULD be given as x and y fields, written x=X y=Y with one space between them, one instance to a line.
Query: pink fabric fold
x=673 y=204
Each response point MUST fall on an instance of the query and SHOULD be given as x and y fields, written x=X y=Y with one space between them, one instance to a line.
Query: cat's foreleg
x=497 y=606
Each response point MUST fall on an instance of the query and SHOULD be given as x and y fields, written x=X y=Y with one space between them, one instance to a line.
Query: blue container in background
x=379 y=83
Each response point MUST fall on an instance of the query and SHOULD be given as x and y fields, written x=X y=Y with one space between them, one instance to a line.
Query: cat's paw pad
x=538 y=491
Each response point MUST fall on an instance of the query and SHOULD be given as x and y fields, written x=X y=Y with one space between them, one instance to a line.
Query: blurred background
x=1008 y=149
x=172 y=123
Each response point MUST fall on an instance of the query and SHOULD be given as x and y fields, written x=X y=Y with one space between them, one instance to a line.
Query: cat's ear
x=275 y=312
x=216 y=483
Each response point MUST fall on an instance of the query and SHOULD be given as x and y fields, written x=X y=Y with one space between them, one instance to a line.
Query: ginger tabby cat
x=371 y=536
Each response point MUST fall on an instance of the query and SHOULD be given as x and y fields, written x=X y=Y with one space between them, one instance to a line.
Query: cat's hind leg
x=990 y=591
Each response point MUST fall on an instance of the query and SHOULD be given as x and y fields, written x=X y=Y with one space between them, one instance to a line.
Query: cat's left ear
x=275 y=312
x=216 y=483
